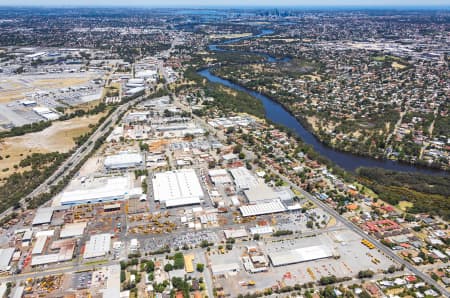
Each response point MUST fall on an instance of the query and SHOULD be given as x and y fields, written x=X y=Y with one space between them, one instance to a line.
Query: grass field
x=58 y=137
x=403 y=205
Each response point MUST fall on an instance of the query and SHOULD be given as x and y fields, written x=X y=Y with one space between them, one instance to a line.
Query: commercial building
x=243 y=178
x=219 y=176
x=275 y=206
x=6 y=255
x=65 y=250
x=177 y=188
x=235 y=233
x=73 y=230
x=298 y=255
x=260 y=193
x=135 y=91
x=39 y=245
x=123 y=161
x=98 y=246
x=101 y=190
x=218 y=269
x=43 y=216
x=135 y=83
x=261 y=230
x=46 y=113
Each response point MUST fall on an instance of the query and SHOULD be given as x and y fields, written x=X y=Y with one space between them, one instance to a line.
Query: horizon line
x=238 y=6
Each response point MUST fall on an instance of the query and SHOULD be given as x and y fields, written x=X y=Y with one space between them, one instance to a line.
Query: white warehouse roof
x=260 y=192
x=263 y=208
x=299 y=255
x=123 y=161
x=224 y=268
x=235 y=233
x=39 y=245
x=177 y=188
x=43 y=216
x=103 y=190
x=98 y=246
x=5 y=257
x=73 y=229
x=243 y=178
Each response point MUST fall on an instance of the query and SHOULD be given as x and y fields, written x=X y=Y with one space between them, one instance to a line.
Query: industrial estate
x=129 y=169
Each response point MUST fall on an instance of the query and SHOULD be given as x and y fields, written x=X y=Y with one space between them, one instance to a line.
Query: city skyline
x=232 y=3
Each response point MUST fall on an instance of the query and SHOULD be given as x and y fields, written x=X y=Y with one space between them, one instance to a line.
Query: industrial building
x=243 y=178
x=134 y=83
x=220 y=269
x=135 y=91
x=101 y=190
x=6 y=255
x=73 y=230
x=39 y=245
x=43 y=216
x=260 y=193
x=235 y=233
x=65 y=252
x=298 y=255
x=177 y=188
x=98 y=246
x=219 y=176
x=122 y=161
x=275 y=206
x=46 y=113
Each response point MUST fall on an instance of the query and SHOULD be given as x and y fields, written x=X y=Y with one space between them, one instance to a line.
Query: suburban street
x=361 y=233
x=347 y=223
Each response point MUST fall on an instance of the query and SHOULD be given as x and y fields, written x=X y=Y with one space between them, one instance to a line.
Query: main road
x=80 y=153
x=344 y=221
x=387 y=251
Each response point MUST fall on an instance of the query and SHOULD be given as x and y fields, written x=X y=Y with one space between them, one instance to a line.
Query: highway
x=80 y=153
x=88 y=147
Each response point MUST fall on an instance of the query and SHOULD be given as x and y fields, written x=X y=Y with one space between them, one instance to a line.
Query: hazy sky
x=190 y=3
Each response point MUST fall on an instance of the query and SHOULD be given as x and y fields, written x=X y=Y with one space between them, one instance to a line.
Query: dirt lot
x=58 y=137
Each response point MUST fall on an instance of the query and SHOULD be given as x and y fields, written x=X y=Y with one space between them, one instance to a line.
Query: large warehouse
x=6 y=255
x=243 y=178
x=260 y=193
x=98 y=246
x=271 y=207
x=101 y=190
x=123 y=161
x=177 y=188
x=298 y=255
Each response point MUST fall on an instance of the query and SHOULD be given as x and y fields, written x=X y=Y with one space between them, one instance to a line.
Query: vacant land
x=58 y=137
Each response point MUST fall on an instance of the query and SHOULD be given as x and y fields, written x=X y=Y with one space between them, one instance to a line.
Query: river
x=278 y=114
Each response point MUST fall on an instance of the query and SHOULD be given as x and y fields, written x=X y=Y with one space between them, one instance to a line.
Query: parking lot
x=350 y=257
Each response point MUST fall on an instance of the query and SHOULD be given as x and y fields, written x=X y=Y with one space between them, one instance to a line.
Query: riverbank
x=278 y=114
x=345 y=159
x=303 y=121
